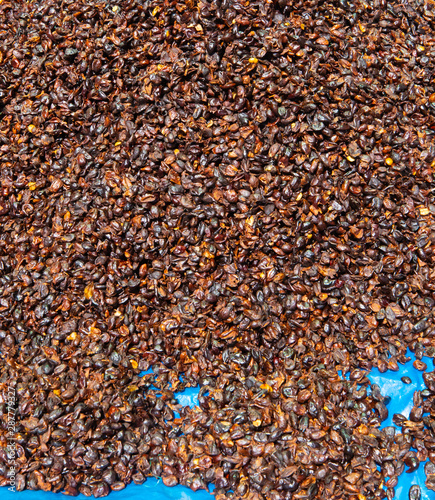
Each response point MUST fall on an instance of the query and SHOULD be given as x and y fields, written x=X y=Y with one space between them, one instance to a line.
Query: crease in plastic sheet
x=390 y=384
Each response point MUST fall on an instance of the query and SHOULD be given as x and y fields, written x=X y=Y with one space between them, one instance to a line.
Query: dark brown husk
x=240 y=193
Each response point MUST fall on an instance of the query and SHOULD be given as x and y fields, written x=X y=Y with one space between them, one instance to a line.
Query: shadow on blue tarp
x=390 y=383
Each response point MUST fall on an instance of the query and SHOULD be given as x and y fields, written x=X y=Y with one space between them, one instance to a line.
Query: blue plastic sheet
x=152 y=489
x=401 y=395
x=390 y=383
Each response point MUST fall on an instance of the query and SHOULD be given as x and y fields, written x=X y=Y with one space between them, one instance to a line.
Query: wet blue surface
x=390 y=384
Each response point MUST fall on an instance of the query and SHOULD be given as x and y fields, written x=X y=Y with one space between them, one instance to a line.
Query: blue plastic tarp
x=391 y=385
x=401 y=395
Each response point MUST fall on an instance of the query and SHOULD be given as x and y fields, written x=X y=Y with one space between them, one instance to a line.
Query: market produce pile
x=240 y=195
